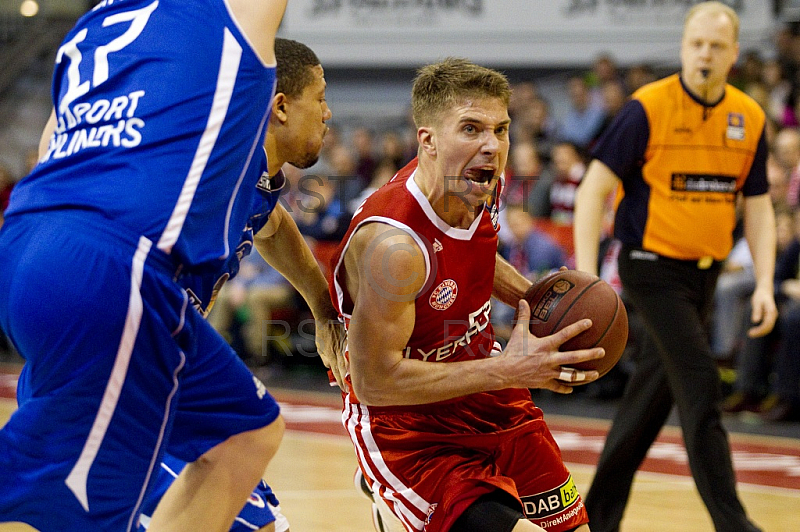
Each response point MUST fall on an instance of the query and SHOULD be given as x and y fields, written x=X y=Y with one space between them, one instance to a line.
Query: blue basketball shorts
x=118 y=370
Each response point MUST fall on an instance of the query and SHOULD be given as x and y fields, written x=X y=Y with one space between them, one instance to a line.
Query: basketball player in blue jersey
x=295 y=135
x=148 y=171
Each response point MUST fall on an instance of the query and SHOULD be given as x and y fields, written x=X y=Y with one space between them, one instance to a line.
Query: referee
x=680 y=152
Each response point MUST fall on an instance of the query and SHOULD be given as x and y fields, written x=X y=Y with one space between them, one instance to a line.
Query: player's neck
x=450 y=207
x=274 y=160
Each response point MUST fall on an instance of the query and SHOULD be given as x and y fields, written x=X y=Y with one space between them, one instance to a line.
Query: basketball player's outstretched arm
x=283 y=247
x=259 y=20
x=384 y=271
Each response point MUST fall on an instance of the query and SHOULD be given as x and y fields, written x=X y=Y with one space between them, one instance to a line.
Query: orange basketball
x=564 y=297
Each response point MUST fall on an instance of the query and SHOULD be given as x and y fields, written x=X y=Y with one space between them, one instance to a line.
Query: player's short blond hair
x=714 y=8
x=440 y=86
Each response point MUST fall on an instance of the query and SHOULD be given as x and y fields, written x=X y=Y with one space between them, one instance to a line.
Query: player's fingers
x=756 y=314
x=570 y=331
x=759 y=330
x=558 y=387
x=523 y=313
x=571 y=375
x=521 y=321
x=570 y=358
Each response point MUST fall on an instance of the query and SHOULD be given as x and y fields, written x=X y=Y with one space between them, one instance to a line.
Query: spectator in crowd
x=784 y=42
x=613 y=98
x=321 y=214
x=535 y=123
x=786 y=406
x=604 y=70
x=524 y=179
x=786 y=149
x=778 y=179
x=365 y=161
x=523 y=95
x=393 y=148
x=584 y=117
x=244 y=309
x=343 y=176
x=638 y=76
x=731 y=318
x=569 y=167
x=384 y=172
x=530 y=250
x=778 y=88
x=749 y=71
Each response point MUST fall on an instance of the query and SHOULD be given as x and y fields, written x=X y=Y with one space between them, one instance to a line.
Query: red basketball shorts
x=430 y=464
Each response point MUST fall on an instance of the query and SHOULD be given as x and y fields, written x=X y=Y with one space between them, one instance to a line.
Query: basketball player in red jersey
x=441 y=419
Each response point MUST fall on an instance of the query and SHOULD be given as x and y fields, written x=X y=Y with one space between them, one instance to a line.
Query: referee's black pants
x=673 y=299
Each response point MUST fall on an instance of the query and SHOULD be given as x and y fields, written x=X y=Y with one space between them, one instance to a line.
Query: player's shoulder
x=390 y=256
x=384 y=236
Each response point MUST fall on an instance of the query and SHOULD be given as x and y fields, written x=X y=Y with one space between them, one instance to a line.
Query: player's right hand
x=538 y=363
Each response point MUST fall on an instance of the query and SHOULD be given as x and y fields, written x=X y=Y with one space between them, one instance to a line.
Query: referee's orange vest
x=696 y=161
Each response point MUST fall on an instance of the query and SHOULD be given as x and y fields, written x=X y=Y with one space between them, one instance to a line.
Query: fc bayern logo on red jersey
x=444 y=295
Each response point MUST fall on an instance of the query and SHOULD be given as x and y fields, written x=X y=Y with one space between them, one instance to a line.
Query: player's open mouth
x=479 y=175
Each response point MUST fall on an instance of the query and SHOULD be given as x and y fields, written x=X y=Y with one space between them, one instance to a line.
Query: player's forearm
x=409 y=382
x=509 y=284
x=287 y=251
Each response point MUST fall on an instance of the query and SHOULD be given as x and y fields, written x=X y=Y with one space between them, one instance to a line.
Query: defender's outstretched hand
x=331 y=338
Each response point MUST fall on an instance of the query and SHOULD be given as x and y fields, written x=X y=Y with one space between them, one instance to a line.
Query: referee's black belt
x=703 y=263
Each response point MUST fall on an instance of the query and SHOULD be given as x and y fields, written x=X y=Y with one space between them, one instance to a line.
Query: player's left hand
x=764 y=313
x=331 y=338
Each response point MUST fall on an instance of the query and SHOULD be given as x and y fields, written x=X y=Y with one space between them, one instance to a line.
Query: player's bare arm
x=47 y=133
x=509 y=285
x=282 y=245
x=385 y=270
x=259 y=20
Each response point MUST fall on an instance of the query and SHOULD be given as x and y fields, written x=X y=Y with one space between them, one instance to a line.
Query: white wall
x=517 y=33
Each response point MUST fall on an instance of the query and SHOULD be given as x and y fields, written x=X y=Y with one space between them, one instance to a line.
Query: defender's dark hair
x=295 y=61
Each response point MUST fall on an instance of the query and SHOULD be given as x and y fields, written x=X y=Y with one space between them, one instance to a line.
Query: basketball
x=566 y=296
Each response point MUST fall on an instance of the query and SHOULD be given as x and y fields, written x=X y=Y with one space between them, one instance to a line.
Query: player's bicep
x=389 y=273
x=47 y=133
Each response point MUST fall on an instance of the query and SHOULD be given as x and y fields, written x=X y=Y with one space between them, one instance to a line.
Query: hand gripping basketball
x=566 y=296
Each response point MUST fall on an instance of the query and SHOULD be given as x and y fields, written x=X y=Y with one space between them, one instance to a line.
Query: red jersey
x=453 y=308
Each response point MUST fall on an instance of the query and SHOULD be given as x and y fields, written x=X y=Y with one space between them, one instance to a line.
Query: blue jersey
x=177 y=166
x=203 y=287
